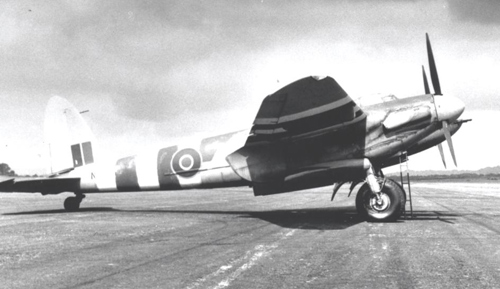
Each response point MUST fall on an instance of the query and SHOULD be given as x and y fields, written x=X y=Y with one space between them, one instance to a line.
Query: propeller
x=428 y=91
x=447 y=135
x=426 y=85
x=432 y=67
x=440 y=147
x=437 y=91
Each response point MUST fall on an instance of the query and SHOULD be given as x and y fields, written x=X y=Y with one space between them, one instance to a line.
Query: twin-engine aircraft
x=308 y=134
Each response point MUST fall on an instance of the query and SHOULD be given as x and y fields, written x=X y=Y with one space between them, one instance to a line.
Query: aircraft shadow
x=311 y=218
x=443 y=216
x=61 y=211
x=335 y=218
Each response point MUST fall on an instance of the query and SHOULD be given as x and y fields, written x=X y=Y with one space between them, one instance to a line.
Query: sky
x=155 y=72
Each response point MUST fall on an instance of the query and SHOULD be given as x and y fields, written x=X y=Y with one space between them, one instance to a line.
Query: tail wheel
x=388 y=206
x=72 y=204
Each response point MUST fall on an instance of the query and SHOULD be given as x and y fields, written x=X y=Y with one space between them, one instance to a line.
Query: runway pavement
x=227 y=238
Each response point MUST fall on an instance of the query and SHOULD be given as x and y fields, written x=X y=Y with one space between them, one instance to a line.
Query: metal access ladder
x=403 y=165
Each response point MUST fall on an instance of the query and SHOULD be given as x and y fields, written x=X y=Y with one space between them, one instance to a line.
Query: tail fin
x=68 y=137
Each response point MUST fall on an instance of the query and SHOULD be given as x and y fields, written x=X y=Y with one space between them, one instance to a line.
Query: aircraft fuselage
x=388 y=129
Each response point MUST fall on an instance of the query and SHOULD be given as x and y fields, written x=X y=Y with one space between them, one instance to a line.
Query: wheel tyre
x=71 y=204
x=394 y=199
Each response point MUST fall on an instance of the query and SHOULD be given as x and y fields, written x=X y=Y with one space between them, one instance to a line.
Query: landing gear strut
x=72 y=204
x=385 y=206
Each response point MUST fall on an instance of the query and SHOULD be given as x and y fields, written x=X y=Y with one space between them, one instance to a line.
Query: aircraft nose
x=448 y=107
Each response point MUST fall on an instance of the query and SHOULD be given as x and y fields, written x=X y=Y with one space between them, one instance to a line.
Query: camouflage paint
x=210 y=145
x=166 y=176
x=126 y=175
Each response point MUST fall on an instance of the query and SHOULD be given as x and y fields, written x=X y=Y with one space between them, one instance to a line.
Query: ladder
x=403 y=165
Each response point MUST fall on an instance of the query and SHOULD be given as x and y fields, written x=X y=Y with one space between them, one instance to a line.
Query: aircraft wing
x=40 y=185
x=296 y=120
x=307 y=106
x=269 y=177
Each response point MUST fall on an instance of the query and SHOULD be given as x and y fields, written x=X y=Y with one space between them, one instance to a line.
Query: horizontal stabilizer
x=6 y=184
x=41 y=185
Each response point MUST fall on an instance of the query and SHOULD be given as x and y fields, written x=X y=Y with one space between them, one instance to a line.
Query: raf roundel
x=186 y=162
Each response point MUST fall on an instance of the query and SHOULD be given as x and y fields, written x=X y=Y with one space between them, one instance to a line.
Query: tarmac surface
x=227 y=238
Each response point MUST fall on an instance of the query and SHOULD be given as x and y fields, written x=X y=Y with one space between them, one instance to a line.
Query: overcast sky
x=151 y=72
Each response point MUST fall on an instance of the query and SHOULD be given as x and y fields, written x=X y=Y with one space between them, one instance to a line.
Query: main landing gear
x=385 y=206
x=380 y=199
x=72 y=204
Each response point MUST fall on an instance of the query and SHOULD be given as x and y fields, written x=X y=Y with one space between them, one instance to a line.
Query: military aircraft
x=307 y=134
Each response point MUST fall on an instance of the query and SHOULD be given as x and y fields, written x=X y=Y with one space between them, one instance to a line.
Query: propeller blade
x=447 y=135
x=426 y=84
x=432 y=67
x=440 y=147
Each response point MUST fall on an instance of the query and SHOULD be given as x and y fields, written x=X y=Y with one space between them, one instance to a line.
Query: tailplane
x=69 y=139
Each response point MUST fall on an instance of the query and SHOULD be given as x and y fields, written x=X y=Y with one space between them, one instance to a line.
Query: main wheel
x=72 y=204
x=387 y=208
